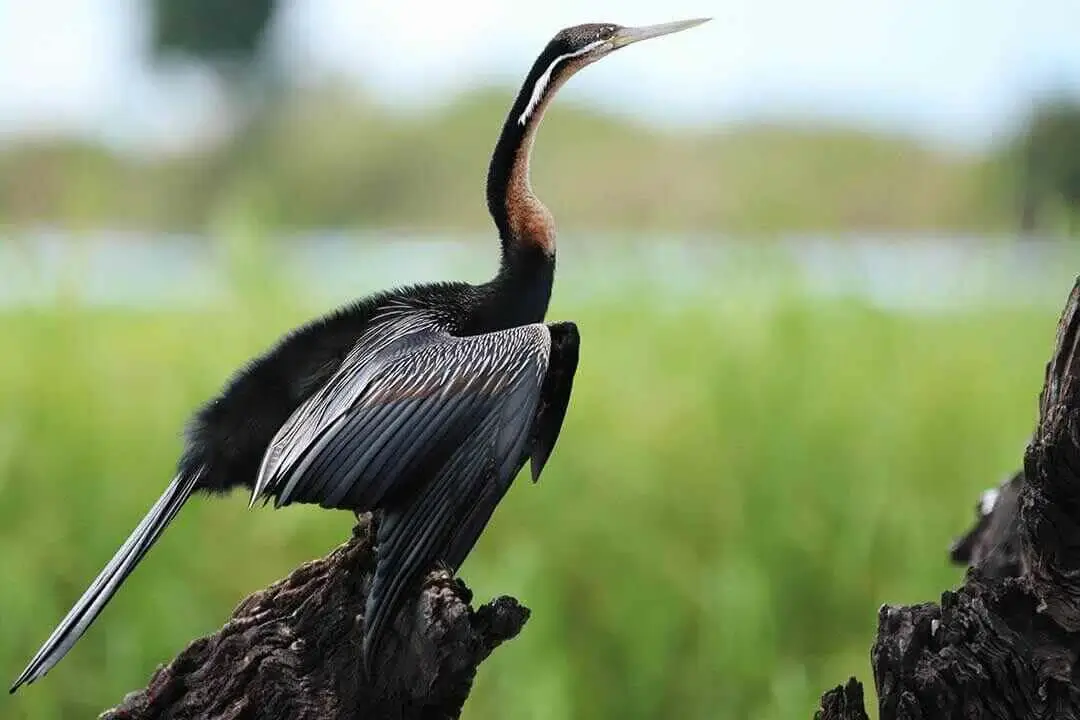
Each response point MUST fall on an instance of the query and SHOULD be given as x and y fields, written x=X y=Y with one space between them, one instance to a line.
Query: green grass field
x=737 y=489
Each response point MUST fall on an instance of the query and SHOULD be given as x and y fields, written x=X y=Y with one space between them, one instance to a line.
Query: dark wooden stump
x=1005 y=644
x=292 y=651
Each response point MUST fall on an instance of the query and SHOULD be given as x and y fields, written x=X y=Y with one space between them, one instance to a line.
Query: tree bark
x=1005 y=643
x=293 y=650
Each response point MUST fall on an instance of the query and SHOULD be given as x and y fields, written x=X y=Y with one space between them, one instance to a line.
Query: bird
x=420 y=403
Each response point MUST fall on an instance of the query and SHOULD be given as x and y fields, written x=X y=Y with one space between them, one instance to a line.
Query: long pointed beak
x=627 y=35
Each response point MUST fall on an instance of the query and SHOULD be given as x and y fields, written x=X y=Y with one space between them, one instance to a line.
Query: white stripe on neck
x=545 y=78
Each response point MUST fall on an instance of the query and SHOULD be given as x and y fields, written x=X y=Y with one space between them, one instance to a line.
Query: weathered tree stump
x=1005 y=643
x=292 y=651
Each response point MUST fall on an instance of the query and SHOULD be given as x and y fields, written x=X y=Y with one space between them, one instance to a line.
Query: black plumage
x=421 y=403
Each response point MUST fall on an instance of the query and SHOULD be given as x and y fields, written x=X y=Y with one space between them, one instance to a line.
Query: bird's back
x=227 y=437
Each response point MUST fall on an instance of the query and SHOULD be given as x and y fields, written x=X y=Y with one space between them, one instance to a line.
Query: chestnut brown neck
x=529 y=222
x=526 y=227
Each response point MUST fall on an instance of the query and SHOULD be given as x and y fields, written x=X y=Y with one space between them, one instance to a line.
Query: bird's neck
x=522 y=287
x=523 y=221
x=526 y=227
x=520 y=292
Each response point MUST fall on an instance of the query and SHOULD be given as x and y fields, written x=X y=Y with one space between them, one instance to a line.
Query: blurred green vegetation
x=738 y=487
x=1049 y=155
x=333 y=157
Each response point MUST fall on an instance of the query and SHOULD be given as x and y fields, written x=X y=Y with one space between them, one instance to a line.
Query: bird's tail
x=108 y=580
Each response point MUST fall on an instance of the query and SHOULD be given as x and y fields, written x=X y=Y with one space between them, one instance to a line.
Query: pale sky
x=952 y=70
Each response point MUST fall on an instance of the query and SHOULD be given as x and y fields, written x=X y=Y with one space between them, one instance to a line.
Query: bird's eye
x=604 y=33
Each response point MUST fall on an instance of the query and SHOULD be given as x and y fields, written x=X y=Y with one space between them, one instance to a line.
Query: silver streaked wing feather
x=404 y=388
x=431 y=429
x=339 y=393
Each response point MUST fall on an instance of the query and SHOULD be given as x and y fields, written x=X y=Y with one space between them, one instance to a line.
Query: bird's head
x=575 y=47
x=592 y=41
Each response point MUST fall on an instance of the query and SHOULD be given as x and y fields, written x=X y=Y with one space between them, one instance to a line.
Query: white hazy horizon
x=957 y=72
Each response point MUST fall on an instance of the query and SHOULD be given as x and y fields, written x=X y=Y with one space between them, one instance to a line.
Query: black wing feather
x=410 y=407
x=436 y=430
x=555 y=395
x=414 y=537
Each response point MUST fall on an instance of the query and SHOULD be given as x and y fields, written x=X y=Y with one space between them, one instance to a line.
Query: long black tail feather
x=79 y=618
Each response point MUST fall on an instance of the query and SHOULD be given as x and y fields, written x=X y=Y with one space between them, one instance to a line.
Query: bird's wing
x=377 y=349
x=555 y=394
x=432 y=430
x=396 y=414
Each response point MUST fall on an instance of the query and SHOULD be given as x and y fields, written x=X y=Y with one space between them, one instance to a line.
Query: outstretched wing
x=393 y=415
x=431 y=429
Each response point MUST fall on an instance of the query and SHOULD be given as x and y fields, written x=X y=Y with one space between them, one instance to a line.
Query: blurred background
x=816 y=253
